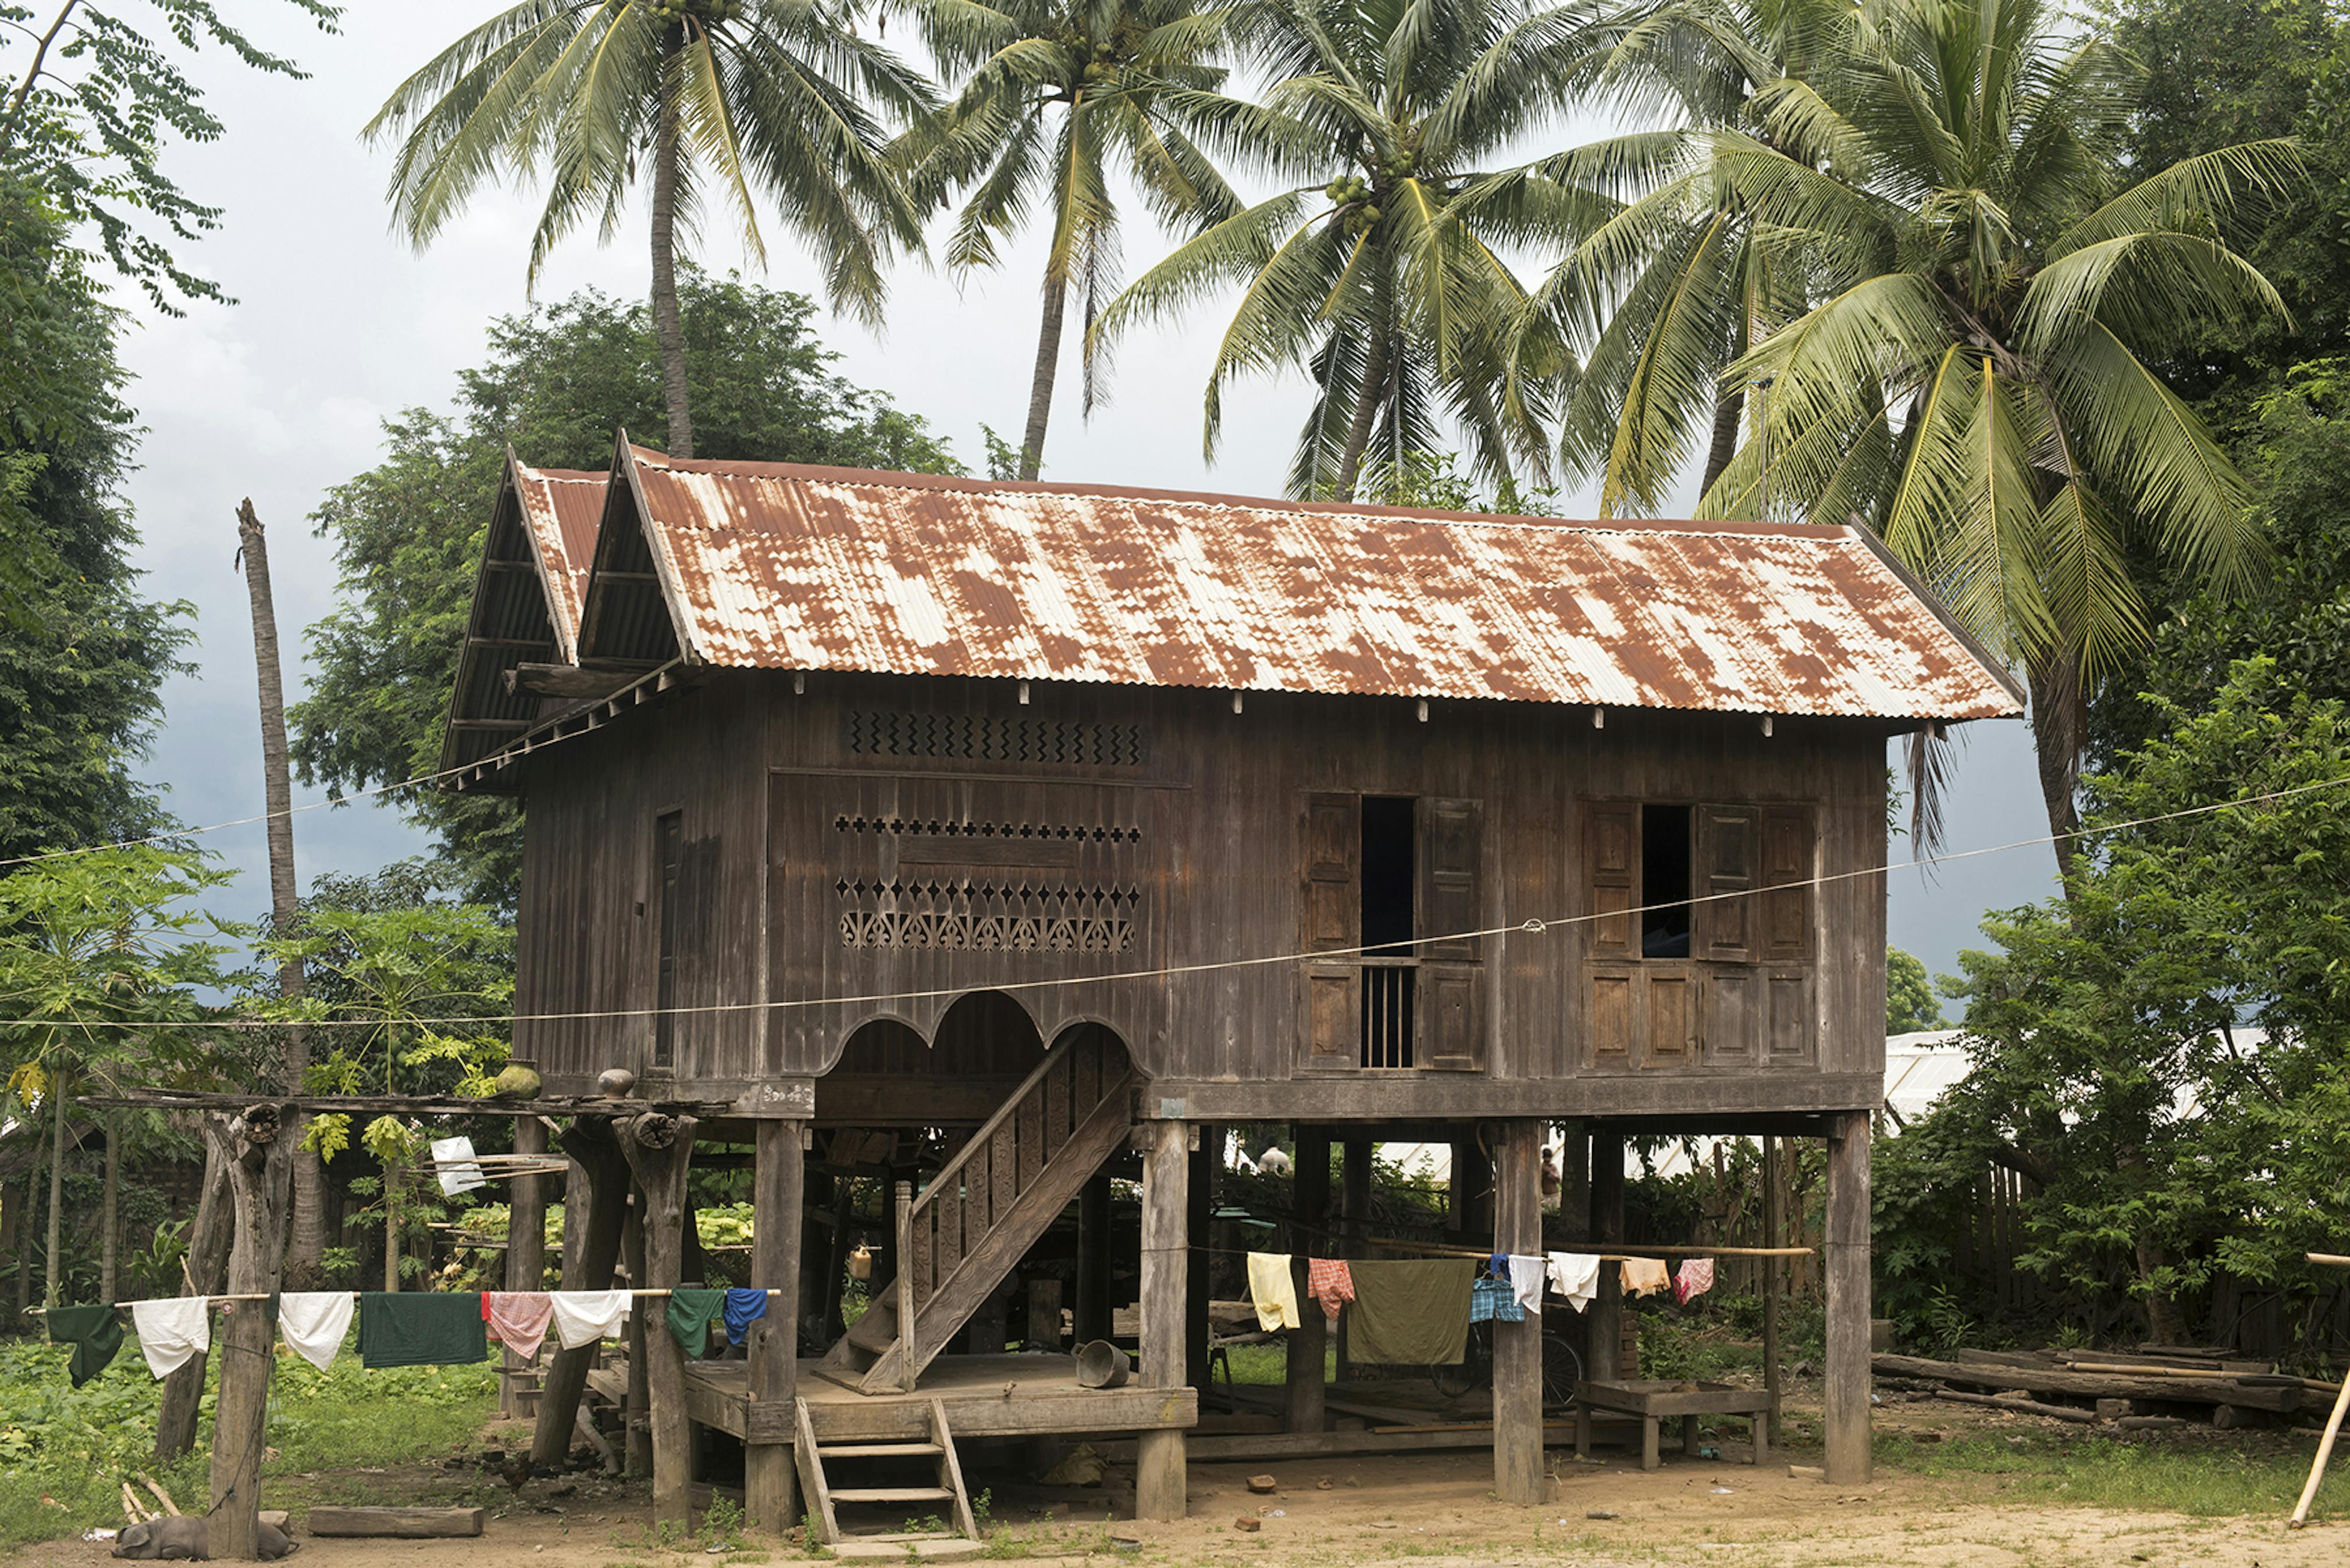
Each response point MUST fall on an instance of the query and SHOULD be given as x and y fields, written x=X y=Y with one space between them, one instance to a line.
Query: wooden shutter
x=1673 y=1018
x=1451 y=838
x=1792 y=1016
x=1333 y=1015
x=1452 y=1017
x=1726 y=854
x=1333 y=872
x=1787 y=857
x=1613 y=1025
x=1731 y=1029
x=1612 y=854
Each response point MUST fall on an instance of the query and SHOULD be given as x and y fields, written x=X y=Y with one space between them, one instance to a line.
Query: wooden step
x=880 y=1450
x=877 y=1329
x=892 y=1494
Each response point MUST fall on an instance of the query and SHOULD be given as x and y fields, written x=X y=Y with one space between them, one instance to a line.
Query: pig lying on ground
x=176 y=1540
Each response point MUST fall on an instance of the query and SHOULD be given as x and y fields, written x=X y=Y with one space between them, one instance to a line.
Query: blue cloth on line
x=1498 y=1265
x=1491 y=1301
x=743 y=1308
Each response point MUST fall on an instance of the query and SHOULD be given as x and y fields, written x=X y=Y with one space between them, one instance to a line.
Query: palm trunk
x=1048 y=366
x=109 y=1210
x=1728 y=412
x=56 y=1183
x=1367 y=401
x=306 y=1251
x=2057 y=723
x=669 y=330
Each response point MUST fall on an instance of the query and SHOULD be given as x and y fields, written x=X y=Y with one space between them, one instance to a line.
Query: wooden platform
x=1042 y=1397
x=1654 y=1400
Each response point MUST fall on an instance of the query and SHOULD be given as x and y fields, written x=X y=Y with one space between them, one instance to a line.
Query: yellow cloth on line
x=1645 y=1276
x=1273 y=1289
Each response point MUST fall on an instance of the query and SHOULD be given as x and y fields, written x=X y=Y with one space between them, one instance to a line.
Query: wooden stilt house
x=1029 y=827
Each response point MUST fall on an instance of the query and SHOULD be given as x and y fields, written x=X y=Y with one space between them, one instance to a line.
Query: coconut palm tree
x=1969 y=286
x=1383 y=111
x=776 y=97
x=1058 y=95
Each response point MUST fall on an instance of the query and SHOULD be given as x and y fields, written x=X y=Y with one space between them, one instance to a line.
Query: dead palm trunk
x=669 y=330
x=305 y=1253
x=1048 y=366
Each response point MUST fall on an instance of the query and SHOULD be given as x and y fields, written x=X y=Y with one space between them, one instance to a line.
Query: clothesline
x=216 y=1300
x=1641 y=1251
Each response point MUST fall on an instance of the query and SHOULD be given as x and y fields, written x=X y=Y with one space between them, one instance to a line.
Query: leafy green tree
x=555 y=384
x=1910 y=1003
x=1058 y=101
x=2166 y=1053
x=1971 y=365
x=92 y=946
x=83 y=654
x=774 y=98
x=1362 y=273
x=92 y=97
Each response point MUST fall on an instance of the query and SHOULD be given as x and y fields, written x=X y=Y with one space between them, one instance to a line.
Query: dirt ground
x=1434 y=1511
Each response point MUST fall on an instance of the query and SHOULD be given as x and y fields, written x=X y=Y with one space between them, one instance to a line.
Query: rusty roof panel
x=561 y=508
x=798 y=567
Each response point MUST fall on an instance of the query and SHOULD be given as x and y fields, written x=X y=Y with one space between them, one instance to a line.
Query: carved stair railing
x=973 y=1222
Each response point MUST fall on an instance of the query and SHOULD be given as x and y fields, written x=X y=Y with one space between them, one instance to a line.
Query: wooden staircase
x=977 y=1219
x=948 y=1500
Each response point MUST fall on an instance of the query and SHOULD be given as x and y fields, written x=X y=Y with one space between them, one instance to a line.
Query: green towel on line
x=1410 y=1313
x=94 y=1331
x=421 y=1328
x=691 y=1314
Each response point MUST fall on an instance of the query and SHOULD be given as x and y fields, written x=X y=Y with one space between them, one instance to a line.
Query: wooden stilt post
x=1354 y=1219
x=778 y=1176
x=1772 y=1282
x=659 y=1148
x=1518 y=1347
x=1845 y=1247
x=525 y=1260
x=595 y=1208
x=206 y=1274
x=256 y=1146
x=1606 y=1316
x=1200 y=1204
x=1309 y=1342
x=1092 y=1311
x=1158 y=1471
x=637 y=1441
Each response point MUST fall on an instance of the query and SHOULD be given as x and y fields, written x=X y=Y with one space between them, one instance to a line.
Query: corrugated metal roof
x=790 y=567
x=561 y=508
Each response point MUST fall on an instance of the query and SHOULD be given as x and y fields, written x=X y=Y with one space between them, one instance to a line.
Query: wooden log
x=260 y=1177
x=205 y=1273
x=660 y=1163
x=1158 y=1466
x=1845 y=1244
x=1773 y=1275
x=401 y=1523
x=1092 y=1314
x=777 y=1181
x=594 y=1209
x=2280 y=1396
x=1200 y=1193
x=1354 y=1223
x=2028 y=1407
x=1307 y=1351
x=1518 y=1475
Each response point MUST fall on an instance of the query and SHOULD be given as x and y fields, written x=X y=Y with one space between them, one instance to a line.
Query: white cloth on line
x=314 y=1323
x=1526 y=1275
x=1273 y=1287
x=583 y=1317
x=1576 y=1277
x=173 y=1331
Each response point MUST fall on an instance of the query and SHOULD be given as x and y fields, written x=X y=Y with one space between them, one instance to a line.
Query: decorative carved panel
x=982 y=738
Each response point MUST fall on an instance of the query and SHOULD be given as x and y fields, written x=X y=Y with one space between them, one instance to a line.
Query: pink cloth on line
x=1695 y=1279
x=519 y=1319
x=1329 y=1282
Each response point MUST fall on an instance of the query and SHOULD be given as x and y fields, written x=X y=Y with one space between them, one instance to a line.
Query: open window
x=1725 y=884
x=1392 y=893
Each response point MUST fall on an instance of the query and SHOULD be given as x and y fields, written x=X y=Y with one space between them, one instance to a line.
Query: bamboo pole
x=2333 y=1422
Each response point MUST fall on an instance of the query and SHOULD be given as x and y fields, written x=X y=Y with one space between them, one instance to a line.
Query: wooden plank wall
x=1186 y=816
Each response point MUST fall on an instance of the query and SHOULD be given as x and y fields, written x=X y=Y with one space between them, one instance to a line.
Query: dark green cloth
x=94 y=1331
x=421 y=1328
x=1412 y=1313
x=691 y=1314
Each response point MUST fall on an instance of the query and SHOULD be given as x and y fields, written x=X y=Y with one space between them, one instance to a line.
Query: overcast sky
x=339 y=325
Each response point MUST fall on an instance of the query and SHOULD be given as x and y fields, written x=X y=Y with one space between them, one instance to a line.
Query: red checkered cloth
x=1329 y=1282
x=1695 y=1279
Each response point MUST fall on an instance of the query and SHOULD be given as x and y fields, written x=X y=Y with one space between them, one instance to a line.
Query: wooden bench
x=1653 y=1399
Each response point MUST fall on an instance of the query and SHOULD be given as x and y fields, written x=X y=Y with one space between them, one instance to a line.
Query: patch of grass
x=2093 y=1472
x=1268 y=1365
